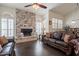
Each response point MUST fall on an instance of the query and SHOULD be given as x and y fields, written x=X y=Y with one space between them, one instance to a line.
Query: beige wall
x=72 y=16
x=54 y=15
x=7 y=10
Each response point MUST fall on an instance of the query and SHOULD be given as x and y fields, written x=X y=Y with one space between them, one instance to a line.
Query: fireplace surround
x=25 y=20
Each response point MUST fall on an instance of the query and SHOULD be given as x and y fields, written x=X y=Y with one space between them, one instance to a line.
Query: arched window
x=7 y=26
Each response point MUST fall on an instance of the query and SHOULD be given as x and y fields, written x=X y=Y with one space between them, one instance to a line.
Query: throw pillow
x=48 y=35
x=66 y=38
x=46 y=38
x=3 y=40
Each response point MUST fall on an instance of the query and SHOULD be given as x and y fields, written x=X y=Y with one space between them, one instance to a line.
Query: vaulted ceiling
x=61 y=8
x=31 y=9
x=66 y=8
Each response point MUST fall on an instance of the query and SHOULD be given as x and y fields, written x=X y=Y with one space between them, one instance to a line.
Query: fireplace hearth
x=26 y=32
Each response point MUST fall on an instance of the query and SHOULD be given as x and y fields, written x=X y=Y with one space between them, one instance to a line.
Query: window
x=7 y=27
x=38 y=28
x=60 y=24
x=57 y=24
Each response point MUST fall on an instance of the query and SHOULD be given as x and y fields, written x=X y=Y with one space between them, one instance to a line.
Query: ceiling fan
x=36 y=5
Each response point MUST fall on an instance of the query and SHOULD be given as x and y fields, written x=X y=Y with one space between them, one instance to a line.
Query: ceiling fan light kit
x=36 y=6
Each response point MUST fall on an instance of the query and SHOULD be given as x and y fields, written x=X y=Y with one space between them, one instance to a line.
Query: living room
x=30 y=31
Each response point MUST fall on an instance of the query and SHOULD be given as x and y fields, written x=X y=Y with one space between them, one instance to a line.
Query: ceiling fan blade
x=28 y=5
x=42 y=6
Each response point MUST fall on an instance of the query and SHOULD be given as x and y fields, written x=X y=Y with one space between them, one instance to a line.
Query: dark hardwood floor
x=36 y=48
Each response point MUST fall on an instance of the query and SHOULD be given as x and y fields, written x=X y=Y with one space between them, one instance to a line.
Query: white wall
x=53 y=14
x=7 y=10
x=43 y=19
x=39 y=19
x=46 y=23
x=73 y=16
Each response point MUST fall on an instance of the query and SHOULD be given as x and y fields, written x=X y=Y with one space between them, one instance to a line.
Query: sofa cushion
x=51 y=35
x=66 y=38
x=61 y=43
x=7 y=49
x=63 y=34
x=57 y=35
x=9 y=44
x=52 y=40
x=0 y=48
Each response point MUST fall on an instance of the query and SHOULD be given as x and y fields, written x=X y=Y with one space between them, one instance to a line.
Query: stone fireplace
x=26 y=32
x=25 y=26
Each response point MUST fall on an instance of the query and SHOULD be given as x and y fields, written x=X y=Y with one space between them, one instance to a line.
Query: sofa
x=8 y=48
x=56 y=39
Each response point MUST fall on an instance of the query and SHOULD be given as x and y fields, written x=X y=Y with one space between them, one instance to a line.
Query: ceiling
x=40 y=11
x=61 y=8
x=66 y=8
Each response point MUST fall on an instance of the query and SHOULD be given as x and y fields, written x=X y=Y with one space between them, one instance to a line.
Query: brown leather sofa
x=8 y=48
x=56 y=39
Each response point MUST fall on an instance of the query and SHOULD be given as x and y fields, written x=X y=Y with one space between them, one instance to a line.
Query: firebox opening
x=26 y=32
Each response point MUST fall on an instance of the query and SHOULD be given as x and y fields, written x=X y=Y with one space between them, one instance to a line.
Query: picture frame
x=50 y=22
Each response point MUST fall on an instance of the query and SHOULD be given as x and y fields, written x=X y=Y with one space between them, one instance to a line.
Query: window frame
x=57 y=23
x=7 y=29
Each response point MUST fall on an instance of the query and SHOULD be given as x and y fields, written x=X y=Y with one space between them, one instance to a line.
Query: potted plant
x=66 y=28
